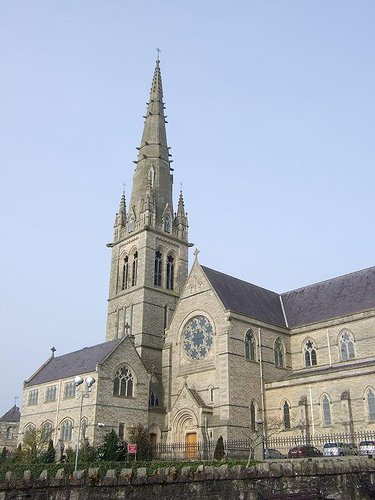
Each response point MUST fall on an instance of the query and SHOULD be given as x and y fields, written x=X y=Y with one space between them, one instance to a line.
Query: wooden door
x=191 y=445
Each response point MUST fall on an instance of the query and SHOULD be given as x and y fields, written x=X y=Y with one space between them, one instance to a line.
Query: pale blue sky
x=271 y=112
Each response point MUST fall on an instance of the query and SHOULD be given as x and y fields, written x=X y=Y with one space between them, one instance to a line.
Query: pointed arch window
x=124 y=382
x=250 y=346
x=370 y=399
x=286 y=415
x=170 y=272
x=326 y=410
x=158 y=268
x=66 y=430
x=125 y=273
x=279 y=353
x=10 y=432
x=310 y=353
x=135 y=269
x=46 y=431
x=346 y=346
x=154 y=400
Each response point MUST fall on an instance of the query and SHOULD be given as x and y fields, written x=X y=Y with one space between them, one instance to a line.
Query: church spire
x=153 y=163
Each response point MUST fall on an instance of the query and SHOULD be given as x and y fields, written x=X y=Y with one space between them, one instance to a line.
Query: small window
x=10 y=432
x=158 y=268
x=310 y=354
x=170 y=272
x=346 y=346
x=125 y=274
x=135 y=269
x=121 y=430
x=51 y=393
x=123 y=383
x=286 y=415
x=326 y=410
x=211 y=394
x=69 y=390
x=279 y=353
x=250 y=346
x=66 y=430
x=371 y=405
x=154 y=400
x=33 y=397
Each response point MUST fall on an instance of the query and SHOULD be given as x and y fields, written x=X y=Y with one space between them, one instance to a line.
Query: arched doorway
x=184 y=431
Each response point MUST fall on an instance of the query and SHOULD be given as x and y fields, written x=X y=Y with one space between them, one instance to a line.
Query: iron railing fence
x=241 y=448
x=284 y=444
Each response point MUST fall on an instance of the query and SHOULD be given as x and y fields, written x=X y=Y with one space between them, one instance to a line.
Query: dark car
x=304 y=451
x=272 y=453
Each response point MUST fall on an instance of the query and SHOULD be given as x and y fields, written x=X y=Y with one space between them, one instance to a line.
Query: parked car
x=272 y=453
x=367 y=448
x=304 y=451
x=336 y=449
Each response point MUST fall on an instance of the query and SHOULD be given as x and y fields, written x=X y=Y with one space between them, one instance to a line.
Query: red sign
x=132 y=448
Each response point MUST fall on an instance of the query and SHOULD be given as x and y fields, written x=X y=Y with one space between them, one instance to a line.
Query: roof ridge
x=86 y=347
x=326 y=280
x=239 y=279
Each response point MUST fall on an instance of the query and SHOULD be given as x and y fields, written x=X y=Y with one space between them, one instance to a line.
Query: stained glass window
x=197 y=338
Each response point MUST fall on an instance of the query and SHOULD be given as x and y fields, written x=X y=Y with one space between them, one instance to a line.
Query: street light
x=89 y=382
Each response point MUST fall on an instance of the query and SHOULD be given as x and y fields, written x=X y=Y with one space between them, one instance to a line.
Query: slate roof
x=245 y=298
x=73 y=363
x=348 y=294
x=12 y=415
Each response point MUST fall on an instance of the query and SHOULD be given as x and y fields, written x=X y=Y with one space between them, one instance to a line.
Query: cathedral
x=197 y=355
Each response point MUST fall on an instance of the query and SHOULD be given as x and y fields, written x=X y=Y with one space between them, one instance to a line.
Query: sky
x=271 y=122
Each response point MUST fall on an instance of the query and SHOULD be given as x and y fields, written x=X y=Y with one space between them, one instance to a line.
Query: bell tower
x=150 y=245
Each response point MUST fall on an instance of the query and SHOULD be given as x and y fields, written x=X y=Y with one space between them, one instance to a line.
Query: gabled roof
x=73 y=363
x=341 y=296
x=12 y=415
x=348 y=294
x=245 y=298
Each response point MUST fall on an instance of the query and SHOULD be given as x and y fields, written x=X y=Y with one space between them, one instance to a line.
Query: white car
x=336 y=450
x=367 y=448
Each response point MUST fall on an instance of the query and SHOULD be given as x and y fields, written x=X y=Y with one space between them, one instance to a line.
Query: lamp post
x=88 y=381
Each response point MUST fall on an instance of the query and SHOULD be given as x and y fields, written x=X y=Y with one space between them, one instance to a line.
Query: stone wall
x=344 y=479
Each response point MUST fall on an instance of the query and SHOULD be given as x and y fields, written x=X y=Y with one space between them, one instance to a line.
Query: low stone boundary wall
x=344 y=479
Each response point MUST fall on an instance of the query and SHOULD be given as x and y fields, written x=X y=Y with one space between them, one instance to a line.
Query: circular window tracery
x=197 y=338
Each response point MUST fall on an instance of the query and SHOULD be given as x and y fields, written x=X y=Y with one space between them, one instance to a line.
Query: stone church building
x=195 y=355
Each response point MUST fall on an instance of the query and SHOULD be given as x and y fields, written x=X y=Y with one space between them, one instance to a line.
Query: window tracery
x=346 y=346
x=310 y=353
x=124 y=382
x=66 y=430
x=158 y=268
